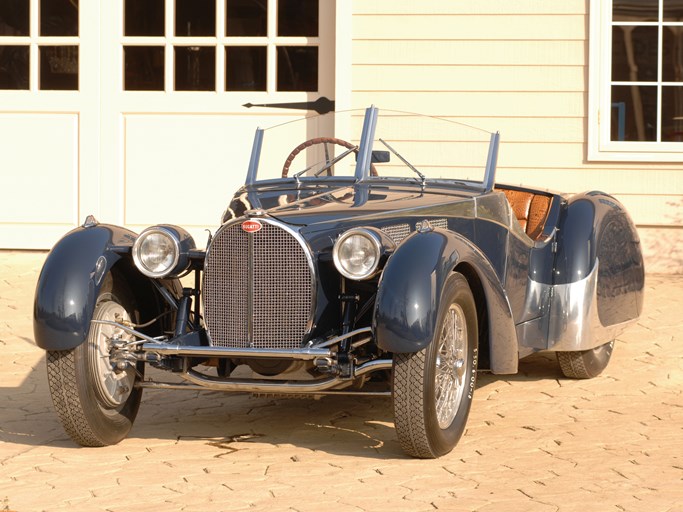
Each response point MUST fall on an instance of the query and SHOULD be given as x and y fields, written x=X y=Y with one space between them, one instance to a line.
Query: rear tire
x=585 y=364
x=95 y=403
x=433 y=388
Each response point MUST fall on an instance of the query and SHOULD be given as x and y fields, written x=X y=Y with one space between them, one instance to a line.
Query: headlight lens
x=156 y=252
x=357 y=253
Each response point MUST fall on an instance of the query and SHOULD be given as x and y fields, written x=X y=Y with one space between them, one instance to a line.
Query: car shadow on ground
x=341 y=425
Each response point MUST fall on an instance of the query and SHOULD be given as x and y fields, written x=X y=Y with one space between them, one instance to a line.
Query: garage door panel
x=40 y=170
x=184 y=169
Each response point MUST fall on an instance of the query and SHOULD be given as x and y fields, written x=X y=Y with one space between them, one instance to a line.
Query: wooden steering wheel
x=325 y=141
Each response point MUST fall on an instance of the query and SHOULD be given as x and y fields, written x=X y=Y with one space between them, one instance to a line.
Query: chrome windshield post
x=255 y=155
x=491 y=162
x=365 y=146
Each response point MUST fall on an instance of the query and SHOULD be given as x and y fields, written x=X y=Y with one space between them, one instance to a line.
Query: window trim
x=600 y=147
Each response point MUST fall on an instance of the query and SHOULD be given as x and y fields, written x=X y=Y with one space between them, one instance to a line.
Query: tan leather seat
x=530 y=209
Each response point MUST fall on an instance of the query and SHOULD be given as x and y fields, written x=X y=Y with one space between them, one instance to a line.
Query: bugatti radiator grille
x=257 y=288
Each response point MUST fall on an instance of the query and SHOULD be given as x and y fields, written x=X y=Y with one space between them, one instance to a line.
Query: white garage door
x=134 y=110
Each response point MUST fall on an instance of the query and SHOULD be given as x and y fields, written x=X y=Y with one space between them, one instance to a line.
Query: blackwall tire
x=433 y=388
x=585 y=364
x=95 y=405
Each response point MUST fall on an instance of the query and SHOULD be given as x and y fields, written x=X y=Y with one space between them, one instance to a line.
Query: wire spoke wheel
x=96 y=402
x=113 y=386
x=450 y=365
x=433 y=387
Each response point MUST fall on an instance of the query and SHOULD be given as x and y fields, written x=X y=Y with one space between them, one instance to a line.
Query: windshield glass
x=428 y=148
x=316 y=146
x=392 y=145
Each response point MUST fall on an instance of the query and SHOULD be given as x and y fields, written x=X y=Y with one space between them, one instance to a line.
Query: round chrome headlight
x=357 y=253
x=157 y=252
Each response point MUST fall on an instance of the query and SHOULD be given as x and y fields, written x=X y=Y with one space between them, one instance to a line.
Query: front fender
x=70 y=281
x=410 y=291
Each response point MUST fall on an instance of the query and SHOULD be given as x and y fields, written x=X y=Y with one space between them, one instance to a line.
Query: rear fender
x=410 y=291
x=70 y=282
x=597 y=231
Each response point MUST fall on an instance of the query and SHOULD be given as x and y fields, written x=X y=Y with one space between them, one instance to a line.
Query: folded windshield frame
x=364 y=158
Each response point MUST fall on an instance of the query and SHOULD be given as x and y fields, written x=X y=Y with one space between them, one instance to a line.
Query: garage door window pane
x=144 y=68
x=14 y=16
x=245 y=68
x=297 y=68
x=195 y=68
x=297 y=18
x=195 y=18
x=144 y=18
x=58 y=17
x=246 y=18
x=14 y=67
x=59 y=68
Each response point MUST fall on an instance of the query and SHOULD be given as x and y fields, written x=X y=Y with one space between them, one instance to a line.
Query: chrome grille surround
x=259 y=288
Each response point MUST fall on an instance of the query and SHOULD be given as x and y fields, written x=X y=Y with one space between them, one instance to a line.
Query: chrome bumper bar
x=288 y=387
x=148 y=344
x=167 y=349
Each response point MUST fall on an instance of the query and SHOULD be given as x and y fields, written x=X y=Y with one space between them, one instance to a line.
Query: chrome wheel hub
x=113 y=385
x=451 y=366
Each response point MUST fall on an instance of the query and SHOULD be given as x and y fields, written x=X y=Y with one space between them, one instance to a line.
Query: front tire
x=433 y=388
x=95 y=403
x=585 y=364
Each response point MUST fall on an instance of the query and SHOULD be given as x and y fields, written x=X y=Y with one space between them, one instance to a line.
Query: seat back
x=530 y=209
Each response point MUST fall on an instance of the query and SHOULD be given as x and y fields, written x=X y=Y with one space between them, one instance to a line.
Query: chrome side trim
x=566 y=316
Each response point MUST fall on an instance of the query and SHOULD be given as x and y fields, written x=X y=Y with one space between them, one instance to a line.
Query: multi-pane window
x=636 y=80
x=647 y=71
x=52 y=44
x=221 y=45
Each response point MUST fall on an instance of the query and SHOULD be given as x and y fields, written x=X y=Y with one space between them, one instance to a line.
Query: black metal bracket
x=322 y=105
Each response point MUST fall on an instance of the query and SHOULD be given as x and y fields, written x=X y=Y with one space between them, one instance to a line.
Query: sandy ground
x=535 y=441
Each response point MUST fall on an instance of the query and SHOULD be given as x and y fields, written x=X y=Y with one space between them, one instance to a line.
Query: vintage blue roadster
x=368 y=253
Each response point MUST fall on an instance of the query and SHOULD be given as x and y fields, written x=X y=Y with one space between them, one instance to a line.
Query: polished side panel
x=70 y=281
x=410 y=291
x=598 y=280
x=595 y=226
x=570 y=321
x=621 y=275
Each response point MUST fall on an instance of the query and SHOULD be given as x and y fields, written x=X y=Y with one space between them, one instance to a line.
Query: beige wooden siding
x=520 y=68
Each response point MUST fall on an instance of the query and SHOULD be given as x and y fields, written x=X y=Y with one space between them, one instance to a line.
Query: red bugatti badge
x=251 y=226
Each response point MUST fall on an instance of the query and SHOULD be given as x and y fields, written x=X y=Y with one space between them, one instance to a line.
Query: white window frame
x=600 y=147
